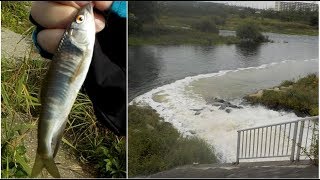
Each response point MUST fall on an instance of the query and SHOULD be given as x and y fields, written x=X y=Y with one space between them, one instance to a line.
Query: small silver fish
x=64 y=79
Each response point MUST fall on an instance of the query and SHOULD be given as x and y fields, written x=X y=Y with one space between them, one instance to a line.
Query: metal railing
x=277 y=140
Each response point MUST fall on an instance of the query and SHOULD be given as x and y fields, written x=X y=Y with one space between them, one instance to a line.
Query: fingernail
x=99 y=24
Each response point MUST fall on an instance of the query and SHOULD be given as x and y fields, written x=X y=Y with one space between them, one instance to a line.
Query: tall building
x=287 y=5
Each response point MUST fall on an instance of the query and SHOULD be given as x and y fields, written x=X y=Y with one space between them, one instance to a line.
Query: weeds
x=20 y=89
x=156 y=146
x=16 y=119
x=15 y=15
x=20 y=107
x=313 y=153
x=287 y=83
x=302 y=98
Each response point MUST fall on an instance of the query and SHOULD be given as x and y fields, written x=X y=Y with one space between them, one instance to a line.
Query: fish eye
x=80 y=19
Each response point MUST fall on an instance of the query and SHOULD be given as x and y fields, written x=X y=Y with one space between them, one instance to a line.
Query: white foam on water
x=217 y=127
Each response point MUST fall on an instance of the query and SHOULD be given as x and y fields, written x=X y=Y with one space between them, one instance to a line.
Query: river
x=176 y=80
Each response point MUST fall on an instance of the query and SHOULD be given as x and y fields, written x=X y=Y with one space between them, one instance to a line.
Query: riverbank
x=178 y=36
x=179 y=31
x=300 y=96
x=156 y=146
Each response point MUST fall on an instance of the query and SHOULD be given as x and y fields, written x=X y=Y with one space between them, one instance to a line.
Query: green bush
x=155 y=145
x=218 y=20
x=287 y=83
x=250 y=32
x=314 y=21
x=206 y=25
x=302 y=98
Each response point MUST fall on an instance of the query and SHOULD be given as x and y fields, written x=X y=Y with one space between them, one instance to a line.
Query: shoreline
x=202 y=39
x=297 y=96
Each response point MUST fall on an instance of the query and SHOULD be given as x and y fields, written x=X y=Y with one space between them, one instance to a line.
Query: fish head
x=82 y=29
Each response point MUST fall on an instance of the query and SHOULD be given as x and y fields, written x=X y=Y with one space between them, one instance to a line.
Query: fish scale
x=59 y=90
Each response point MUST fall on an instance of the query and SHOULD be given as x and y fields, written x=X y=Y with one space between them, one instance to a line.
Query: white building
x=291 y=5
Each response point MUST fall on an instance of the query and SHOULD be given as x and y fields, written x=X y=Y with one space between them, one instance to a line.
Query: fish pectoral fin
x=48 y=164
x=78 y=70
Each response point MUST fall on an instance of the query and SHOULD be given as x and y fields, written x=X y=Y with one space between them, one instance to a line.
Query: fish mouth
x=89 y=7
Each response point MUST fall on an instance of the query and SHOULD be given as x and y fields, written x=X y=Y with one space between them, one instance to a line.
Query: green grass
x=155 y=145
x=93 y=145
x=15 y=15
x=302 y=98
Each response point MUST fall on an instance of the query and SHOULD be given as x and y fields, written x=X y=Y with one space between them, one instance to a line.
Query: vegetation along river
x=180 y=81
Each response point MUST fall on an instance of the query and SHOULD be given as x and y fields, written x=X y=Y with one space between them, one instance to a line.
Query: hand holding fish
x=57 y=15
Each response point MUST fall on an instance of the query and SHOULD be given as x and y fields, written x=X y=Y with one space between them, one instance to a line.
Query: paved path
x=280 y=169
x=14 y=45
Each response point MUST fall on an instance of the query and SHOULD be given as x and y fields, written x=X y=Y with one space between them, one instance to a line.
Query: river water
x=177 y=80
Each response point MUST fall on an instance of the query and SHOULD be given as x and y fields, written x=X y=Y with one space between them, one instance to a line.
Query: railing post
x=294 y=141
x=238 y=148
x=299 y=141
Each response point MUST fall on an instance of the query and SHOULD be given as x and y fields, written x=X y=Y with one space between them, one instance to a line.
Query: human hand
x=56 y=16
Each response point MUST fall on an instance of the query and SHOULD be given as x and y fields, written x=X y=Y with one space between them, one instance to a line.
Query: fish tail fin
x=37 y=167
x=48 y=164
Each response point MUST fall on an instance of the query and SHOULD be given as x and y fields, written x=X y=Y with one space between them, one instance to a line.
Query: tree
x=314 y=21
x=145 y=11
x=134 y=26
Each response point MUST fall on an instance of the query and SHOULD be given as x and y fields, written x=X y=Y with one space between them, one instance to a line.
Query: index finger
x=52 y=14
x=56 y=15
x=76 y=4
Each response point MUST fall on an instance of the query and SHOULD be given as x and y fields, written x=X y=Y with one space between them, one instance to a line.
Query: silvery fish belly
x=64 y=79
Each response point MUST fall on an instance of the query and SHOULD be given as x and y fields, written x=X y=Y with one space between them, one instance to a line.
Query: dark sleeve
x=105 y=83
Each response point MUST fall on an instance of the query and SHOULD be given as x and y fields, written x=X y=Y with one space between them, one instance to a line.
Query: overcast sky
x=256 y=4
